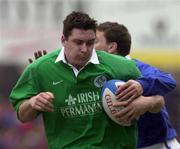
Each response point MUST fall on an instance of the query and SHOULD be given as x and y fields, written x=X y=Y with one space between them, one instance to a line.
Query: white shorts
x=170 y=144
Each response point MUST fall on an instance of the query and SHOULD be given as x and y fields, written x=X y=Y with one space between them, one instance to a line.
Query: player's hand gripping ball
x=109 y=97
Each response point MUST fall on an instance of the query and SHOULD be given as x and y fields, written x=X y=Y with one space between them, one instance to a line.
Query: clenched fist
x=42 y=102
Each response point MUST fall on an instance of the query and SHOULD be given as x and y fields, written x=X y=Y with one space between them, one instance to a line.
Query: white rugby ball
x=109 y=97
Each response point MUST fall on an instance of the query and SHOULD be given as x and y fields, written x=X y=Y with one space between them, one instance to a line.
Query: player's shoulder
x=105 y=55
x=44 y=61
x=107 y=58
x=140 y=64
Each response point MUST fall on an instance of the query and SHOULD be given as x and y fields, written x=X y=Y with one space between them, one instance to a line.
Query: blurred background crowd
x=30 y=25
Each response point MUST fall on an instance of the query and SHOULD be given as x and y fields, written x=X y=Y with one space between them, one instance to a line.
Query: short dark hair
x=78 y=20
x=115 y=32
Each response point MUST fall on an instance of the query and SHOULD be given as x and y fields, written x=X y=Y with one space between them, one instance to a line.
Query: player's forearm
x=156 y=103
x=154 y=81
x=26 y=112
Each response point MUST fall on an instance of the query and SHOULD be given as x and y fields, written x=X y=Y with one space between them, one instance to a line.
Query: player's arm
x=138 y=107
x=37 y=55
x=157 y=102
x=155 y=81
x=29 y=109
x=152 y=82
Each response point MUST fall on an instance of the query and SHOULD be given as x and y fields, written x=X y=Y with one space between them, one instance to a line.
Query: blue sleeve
x=154 y=81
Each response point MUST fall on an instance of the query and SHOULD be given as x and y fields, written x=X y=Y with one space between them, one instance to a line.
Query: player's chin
x=80 y=64
x=84 y=58
x=82 y=61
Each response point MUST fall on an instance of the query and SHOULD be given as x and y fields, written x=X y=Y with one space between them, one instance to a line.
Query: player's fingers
x=125 y=94
x=132 y=118
x=30 y=60
x=123 y=89
x=120 y=88
x=39 y=108
x=126 y=117
x=46 y=98
x=44 y=52
x=120 y=113
x=124 y=86
x=36 y=55
x=39 y=54
x=130 y=99
x=120 y=104
x=47 y=95
x=44 y=106
x=50 y=94
x=44 y=102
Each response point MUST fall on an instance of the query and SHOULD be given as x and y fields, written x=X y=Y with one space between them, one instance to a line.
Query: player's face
x=100 y=43
x=79 y=46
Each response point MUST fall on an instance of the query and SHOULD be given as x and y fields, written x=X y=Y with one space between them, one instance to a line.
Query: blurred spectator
x=15 y=135
x=173 y=104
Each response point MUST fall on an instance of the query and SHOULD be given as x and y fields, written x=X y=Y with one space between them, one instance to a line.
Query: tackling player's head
x=113 y=38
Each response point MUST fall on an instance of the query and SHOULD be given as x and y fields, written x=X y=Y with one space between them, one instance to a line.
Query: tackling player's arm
x=157 y=102
x=138 y=106
x=152 y=82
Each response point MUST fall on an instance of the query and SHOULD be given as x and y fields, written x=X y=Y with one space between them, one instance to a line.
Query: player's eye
x=78 y=42
x=90 y=43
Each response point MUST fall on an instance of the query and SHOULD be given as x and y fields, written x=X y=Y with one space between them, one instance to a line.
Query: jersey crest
x=99 y=81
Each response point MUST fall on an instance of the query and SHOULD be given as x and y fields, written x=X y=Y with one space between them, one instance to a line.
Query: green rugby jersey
x=78 y=120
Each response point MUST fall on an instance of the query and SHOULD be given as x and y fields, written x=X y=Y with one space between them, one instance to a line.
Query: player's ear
x=112 y=48
x=63 y=40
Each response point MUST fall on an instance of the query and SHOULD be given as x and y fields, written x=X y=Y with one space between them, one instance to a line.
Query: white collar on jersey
x=128 y=57
x=94 y=58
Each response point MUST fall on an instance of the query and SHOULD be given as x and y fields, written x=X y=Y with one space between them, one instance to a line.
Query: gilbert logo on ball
x=109 y=97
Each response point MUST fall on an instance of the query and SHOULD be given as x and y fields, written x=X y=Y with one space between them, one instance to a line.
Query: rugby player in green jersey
x=65 y=86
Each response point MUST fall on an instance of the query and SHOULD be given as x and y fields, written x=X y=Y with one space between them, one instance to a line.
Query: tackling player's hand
x=134 y=109
x=42 y=102
x=130 y=90
x=37 y=55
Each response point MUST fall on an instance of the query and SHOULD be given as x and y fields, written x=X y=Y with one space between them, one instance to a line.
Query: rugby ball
x=109 y=97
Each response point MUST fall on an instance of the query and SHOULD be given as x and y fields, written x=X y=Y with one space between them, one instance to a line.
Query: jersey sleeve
x=127 y=69
x=26 y=87
x=154 y=81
